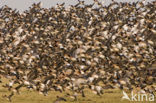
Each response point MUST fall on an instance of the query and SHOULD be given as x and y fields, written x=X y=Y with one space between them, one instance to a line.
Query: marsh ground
x=27 y=96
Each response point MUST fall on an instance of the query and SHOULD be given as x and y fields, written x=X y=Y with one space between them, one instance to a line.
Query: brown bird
x=59 y=99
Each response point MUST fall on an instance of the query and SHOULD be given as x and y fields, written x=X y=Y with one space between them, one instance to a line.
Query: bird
x=78 y=47
x=9 y=96
x=125 y=96
x=59 y=99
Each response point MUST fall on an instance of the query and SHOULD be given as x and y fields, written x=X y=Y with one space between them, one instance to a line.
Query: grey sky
x=22 y=5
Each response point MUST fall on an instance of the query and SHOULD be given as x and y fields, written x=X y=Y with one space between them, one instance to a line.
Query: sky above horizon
x=22 y=5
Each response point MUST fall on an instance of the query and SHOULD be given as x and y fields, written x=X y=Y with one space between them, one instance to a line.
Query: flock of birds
x=77 y=47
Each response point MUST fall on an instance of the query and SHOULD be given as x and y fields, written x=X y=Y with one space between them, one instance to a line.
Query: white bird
x=125 y=96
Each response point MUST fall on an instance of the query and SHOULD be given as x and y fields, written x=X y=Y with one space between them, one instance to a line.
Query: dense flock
x=82 y=46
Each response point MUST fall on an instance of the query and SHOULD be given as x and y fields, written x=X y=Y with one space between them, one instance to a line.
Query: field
x=28 y=96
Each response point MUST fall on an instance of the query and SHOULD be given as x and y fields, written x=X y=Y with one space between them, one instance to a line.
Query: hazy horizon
x=23 y=5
